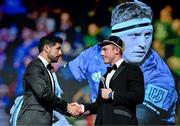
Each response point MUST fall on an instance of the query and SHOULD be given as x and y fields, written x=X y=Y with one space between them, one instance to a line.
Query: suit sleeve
x=135 y=88
x=93 y=107
x=37 y=81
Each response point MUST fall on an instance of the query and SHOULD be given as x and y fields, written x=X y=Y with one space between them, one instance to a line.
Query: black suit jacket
x=39 y=100
x=128 y=86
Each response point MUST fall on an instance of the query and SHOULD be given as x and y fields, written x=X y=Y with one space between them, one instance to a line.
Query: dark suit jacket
x=128 y=86
x=39 y=100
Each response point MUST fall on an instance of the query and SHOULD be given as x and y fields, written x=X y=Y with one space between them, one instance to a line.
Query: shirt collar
x=118 y=63
x=44 y=61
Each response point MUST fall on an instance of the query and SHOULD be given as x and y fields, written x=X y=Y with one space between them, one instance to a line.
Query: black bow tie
x=109 y=69
x=50 y=67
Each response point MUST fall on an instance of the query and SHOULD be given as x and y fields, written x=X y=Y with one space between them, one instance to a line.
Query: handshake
x=76 y=109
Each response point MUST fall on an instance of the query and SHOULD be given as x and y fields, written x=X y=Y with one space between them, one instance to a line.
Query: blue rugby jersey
x=159 y=85
x=89 y=66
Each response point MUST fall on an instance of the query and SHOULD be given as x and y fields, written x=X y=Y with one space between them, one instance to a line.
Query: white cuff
x=82 y=108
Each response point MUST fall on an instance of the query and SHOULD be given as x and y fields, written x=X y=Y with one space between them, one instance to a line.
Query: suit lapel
x=105 y=76
x=46 y=72
x=118 y=71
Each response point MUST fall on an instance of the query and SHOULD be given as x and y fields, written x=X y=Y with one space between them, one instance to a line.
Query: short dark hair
x=49 y=40
x=130 y=10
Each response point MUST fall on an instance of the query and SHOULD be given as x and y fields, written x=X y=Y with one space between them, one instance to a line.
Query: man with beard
x=39 y=99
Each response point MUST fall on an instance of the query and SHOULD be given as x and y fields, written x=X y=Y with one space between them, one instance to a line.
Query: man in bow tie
x=132 y=22
x=39 y=98
x=123 y=90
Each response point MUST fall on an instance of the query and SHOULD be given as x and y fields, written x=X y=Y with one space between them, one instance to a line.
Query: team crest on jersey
x=156 y=95
x=96 y=76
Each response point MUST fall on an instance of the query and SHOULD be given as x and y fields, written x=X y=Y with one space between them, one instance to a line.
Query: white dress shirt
x=109 y=75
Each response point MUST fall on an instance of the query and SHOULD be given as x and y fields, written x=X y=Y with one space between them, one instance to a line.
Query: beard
x=54 y=59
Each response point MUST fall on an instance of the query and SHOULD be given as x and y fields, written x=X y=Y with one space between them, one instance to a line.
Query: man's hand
x=87 y=112
x=74 y=109
x=105 y=92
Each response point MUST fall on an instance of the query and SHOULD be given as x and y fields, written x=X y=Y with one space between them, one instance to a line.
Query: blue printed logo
x=96 y=76
x=156 y=95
